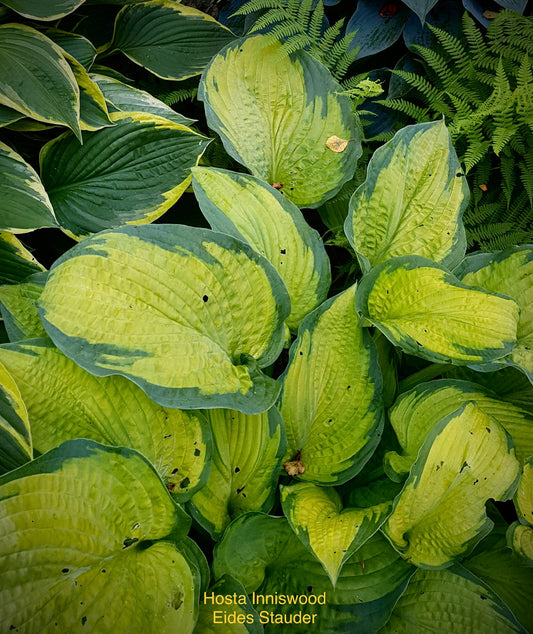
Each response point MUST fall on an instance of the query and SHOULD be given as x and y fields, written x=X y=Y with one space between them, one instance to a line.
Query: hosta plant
x=201 y=429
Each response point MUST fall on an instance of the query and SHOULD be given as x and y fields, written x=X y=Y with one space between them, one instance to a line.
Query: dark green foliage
x=299 y=26
x=483 y=86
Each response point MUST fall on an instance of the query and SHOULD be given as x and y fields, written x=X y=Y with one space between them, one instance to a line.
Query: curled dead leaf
x=336 y=144
x=483 y=188
x=490 y=15
x=294 y=467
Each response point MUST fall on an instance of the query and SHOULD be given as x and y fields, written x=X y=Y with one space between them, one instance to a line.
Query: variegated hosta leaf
x=331 y=400
x=171 y=40
x=24 y=202
x=425 y=310
x=440 y=513
x=450 y=601
x=264 y=554
x=247 y=454
x=74 y=44
x=90 y=537
x=16 y=262
x=188 y=314
x=275 y=115
x=416 y=412
x=332 y=533
x=510 y=577
x=520 y=536
x=93 y=108
x=509 y=272
x=412 y=200
x=244 y=617
x=251 y=210
x=128 y=99
x=39 y=10
x=36 y=79
x=66 y=402
x=18 y=305
x=108 y=181
x=15 y=437
x=9 y=116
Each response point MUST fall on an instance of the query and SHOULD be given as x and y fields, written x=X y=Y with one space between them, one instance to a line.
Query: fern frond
x=253 y=6
x=418 y=113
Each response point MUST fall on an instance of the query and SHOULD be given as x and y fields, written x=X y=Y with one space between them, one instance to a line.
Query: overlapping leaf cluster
x=146 y=388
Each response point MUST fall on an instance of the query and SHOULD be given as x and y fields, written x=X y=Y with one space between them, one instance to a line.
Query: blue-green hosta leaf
x=171 y=40
x=412 y=200
x=39 y=10
x=449 y=602
x=188 y=314
x=18 y=305
x=520 y=535
x=416 y=412
x=16 y=262
x=214 y=620
x=421 y=7
x=440 y=512
x=66 y=402
x=510 y=577
x=331 y=401
x=24 y=202
x=36 y=79
x=15 y=437
x=421 y=307
x=93 y=108
x=90 y=537
x=509 y=272
x=128 y=99
x=247 y=454
x=76 y=45
x=276 y=114
x=130 y=173
x=332 y=533
x=264 y=554
x=251 y=210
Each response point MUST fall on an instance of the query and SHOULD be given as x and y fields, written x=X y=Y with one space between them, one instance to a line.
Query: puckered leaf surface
x=15 y=436
x=188 y=314
x=275 y=115
x=331 y=401
x=424 y=309
x=466 y=459
x=90 y=537
x=412 y=200
x=250 y=210
x=66 y=402
x=247 y=454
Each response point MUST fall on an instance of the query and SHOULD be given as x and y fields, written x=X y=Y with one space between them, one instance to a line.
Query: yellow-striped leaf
x=91 y=540
x=250 y=210
x=16 y=262
x=18 y=305
x=39 y=10
x=275 y=115
x=247 y=454
x=424 y=309
x=66 y=402
x=120 y=96
x=449 y=602
x=466 y=459
x=416 y=412
x=74 y=44
x=171 y=40
x=24 y=202
x=188 y=314
x=331 y=401
x=332 y=533
x=130 y=173
x=412 y=200
x=15 y=436
x=509 y=272
x=36 y=79
x=93 y=108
